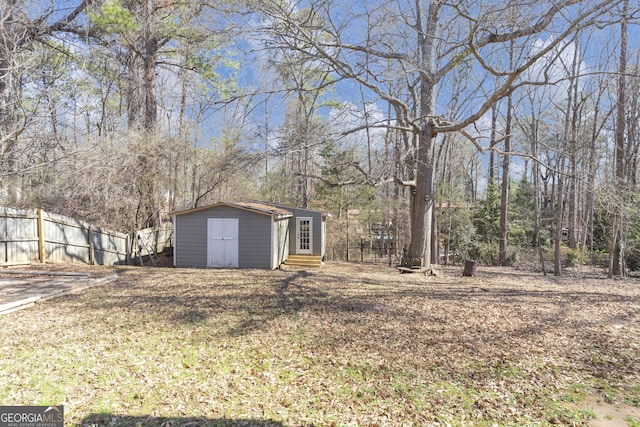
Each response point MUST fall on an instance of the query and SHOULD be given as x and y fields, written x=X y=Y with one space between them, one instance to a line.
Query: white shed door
x=222 y=248
x=304 y=234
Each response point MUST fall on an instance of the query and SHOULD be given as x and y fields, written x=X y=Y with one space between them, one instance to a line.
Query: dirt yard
x=346 y=345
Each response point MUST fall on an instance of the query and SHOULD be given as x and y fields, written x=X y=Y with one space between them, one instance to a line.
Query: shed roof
x=324 y=213
x=252 y=206
x=264 y=207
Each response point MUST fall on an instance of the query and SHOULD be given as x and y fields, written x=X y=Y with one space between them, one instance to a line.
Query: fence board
x=109 y=248
x=22 y=252
x=19 y=235
x=60 y=229
x=64 y=239
x=158 y=239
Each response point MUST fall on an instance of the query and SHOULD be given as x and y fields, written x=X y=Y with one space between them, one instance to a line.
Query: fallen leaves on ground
x=346 y=345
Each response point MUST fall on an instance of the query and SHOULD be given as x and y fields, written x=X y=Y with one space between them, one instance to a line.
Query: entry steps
x=314 y=261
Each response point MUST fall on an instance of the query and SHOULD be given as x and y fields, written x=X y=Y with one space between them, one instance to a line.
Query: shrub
x=573 y=257
x=463 y=236
x=484 y=253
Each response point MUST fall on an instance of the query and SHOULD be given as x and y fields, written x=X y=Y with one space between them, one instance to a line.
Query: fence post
x=41 y=252
x=127 y=250
x=92 y=260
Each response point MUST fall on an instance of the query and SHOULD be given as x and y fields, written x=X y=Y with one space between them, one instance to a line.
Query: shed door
x=222 y=247
x=303 y=235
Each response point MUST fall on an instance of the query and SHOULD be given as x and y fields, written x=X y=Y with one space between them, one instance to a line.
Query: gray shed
x=246 y=234
x=231 y=235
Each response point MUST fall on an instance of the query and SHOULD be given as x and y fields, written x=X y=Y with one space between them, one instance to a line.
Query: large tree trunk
x=423 y=198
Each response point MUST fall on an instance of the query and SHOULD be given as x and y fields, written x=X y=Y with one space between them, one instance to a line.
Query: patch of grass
x=632 y=421
x=343 y=346
x=579 y=389
x=588 y=414
x=609 y=390
x=569 y=398
x=633 y=397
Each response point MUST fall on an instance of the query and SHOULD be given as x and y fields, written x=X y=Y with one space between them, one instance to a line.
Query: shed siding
x=280 y=241
x=323 y=246
x=316 y=240
x=254 y=237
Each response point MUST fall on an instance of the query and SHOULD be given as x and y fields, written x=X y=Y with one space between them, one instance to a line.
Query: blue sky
x=254 y=70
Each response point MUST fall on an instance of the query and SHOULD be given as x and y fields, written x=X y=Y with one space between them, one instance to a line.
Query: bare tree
x=443 y=37
x=19 y=32
x=618 y=240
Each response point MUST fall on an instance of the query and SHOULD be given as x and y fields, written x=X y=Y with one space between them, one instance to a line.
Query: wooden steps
x=311 y=261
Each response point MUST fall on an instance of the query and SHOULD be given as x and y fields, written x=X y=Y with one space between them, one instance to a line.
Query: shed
x=231 y=235
x=308 y=228
x=248 y=234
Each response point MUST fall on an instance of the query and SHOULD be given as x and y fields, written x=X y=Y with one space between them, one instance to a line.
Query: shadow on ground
x=182 y=298
x=95 y=420
x=588 y=321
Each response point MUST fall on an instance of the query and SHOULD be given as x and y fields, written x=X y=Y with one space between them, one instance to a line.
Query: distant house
x=248 y=234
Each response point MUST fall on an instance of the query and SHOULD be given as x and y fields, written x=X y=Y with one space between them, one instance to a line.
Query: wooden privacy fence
x=33 y=235
x=153 y=240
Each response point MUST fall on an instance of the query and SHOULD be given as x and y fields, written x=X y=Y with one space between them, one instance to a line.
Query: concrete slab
x=19 y=290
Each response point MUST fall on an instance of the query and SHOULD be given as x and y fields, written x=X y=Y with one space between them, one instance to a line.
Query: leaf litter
x=346 y=345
